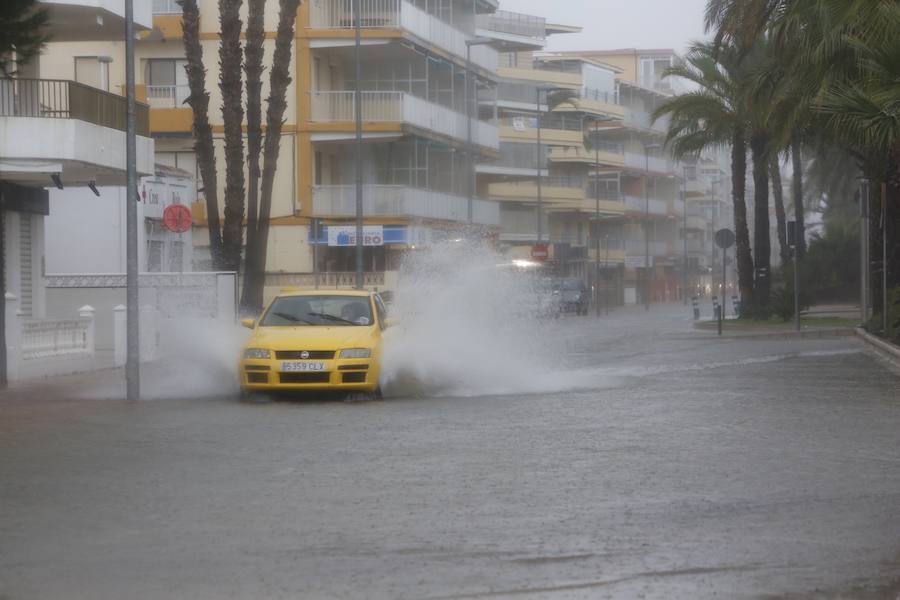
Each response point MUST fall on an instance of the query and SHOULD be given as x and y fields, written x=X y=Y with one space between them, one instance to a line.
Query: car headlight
x=257 y=353
x=356 y=353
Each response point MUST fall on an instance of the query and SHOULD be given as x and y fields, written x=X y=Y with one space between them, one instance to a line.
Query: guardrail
x=400 y=14
x=63 y=99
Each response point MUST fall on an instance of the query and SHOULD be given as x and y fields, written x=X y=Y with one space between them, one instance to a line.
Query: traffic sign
x=725 y=238
x=540 y=252
x=177 y=218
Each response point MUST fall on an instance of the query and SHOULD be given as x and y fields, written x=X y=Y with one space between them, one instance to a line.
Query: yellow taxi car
x=326 y=340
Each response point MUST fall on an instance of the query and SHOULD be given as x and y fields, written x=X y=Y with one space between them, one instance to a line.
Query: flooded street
x=659 y=463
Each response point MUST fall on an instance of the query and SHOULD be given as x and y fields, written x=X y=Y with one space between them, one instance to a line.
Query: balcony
x=399 y=201
x=402 y=15
x=637 y=204
x=636 y=119
x=514 y=28
x=521 y=129
x=564 y=192
x=58 y=126
x=637 y=248
x=609 y=155
x=641 y=163
x=400 y=107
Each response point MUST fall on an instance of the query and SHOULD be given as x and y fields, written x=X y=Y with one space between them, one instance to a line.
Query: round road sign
x=725 y=238
x=177 y=218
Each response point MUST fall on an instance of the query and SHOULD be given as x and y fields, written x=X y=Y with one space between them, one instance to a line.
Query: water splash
x=471 y=323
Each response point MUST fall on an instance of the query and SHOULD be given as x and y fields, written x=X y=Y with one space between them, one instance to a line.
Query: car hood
x=313 y=338
x=570 y=295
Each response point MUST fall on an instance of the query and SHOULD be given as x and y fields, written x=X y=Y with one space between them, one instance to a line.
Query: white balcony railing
x=640 y=161
x=405 y=108
x=400 y=201
x=400 y=14
x=167 y=96
x=639 y=204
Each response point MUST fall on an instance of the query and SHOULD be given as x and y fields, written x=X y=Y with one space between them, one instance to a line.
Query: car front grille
x=300 y=378
x=257 y=378
x=298 y=354
x=354 y=377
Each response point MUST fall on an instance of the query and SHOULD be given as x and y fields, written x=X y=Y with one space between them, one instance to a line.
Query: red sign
x=540 y=252
x=177 y=218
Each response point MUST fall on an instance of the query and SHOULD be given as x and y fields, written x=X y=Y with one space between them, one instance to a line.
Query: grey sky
x=612 y=24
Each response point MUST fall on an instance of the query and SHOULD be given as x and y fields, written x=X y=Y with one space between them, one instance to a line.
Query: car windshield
x=317 y=311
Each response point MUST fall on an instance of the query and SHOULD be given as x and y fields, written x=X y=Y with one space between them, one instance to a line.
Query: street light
x=595 y=121
x=647 y=150
x=470 y=152
x=540 y=197
x=357 y=156
x=132 y=314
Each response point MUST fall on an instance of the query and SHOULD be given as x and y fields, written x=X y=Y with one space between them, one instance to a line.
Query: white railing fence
x=393 y=14
x=340 y=106
x=166 y=7
x=46 y=347
x=393 y=200
x=163 y=96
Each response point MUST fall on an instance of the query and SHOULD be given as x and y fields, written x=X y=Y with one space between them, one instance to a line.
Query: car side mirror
x=248 y=323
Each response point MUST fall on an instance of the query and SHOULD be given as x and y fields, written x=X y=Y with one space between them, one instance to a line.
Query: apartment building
x=63 y=128
x=421 y=130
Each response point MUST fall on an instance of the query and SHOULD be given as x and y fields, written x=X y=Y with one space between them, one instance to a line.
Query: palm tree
x=714 y=115
x=22 y=35
x=231 y=85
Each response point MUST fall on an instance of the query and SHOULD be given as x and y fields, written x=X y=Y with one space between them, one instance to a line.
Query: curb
x=786 y=335
x=881 y=347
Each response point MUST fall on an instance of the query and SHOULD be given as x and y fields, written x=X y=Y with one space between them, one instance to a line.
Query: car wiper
x=292 y=318
x=333 y=318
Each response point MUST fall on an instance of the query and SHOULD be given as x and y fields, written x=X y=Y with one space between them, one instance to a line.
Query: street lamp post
x=132 y=314
x=470 y=151
x=684 y=278
x=647 y=150
x=357 y=157
x=596 y=146
x=540 y=194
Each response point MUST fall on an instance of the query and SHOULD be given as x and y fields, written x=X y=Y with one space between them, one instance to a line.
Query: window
x=154 y=256
x=318 y=168
x=166 y=82
x=176 y=257
x=93 y=71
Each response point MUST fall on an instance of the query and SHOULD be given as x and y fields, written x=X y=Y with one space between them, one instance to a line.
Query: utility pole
x=684 y=282
x=597 y=219
x=884 y=259
x=357 y=157
x=864 y=250
x=647 y=149
x=132 y=310
x=540 y=199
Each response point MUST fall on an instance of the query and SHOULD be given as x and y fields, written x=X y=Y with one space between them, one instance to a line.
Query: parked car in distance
x=573 y=296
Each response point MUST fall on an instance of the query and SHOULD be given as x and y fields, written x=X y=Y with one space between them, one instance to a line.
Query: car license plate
x=302 y=367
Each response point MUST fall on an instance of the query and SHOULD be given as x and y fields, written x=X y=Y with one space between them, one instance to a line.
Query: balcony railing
x=167 y=96
x=61 y=99
x=639 y=204
x=400 y=14
x=640 y=161
x=166 y=7
x=400 y=201
x=643 y=120
x=639 y=247
x=405 y=108
x=504 y=21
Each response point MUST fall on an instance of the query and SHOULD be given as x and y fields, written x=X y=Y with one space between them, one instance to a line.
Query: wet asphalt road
x=687 y=467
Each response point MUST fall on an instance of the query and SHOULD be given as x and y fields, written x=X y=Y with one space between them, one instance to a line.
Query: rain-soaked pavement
x=688 y=467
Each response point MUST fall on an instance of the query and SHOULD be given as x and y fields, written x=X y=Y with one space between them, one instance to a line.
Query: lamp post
x=864 y=250
x=357 y=156
x=647 y=150
x=540 y=195
x=132 y=314
x=470 y=151
x=684 y=274
x=595 y=122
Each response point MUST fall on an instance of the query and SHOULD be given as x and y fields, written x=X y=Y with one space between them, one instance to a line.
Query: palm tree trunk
x=799 y=216
x=762 y=249
x=203 y=141
x=231 y=85
x=742 y=233
x=253 y=53
x=778 y=194
x=279 y=79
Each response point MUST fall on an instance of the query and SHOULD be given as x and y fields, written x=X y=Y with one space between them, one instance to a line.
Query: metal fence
x=63 y=99
x=49 y=338
x=333 y=279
